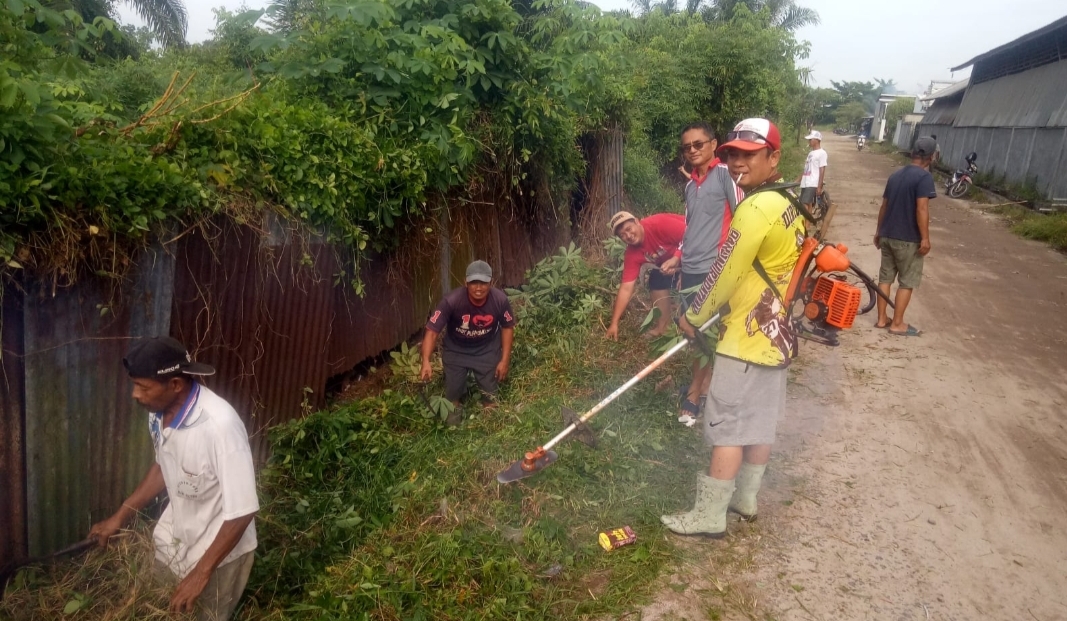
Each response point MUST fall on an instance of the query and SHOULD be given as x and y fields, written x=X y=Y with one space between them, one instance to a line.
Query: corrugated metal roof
x=1007 y=47
x=942 y=112
x=949 y=91
x=12 y=441
x=1034 y=98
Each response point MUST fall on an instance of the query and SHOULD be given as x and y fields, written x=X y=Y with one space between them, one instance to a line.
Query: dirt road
x=921 y=478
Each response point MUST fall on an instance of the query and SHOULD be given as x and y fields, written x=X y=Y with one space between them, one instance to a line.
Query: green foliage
x=1049 y=228
x=559 y=291
x=374 y=511
x=850 y=113
x=896 y=111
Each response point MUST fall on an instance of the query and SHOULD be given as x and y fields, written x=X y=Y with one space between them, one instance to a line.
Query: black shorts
x=658 y=281
x=688 y=281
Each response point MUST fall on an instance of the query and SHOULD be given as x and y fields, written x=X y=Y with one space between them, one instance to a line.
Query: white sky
x=908 y=41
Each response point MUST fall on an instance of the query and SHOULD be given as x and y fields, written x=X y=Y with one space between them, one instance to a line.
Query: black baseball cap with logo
x=161 y=357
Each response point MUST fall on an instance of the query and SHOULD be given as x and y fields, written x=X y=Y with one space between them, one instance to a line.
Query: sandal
x=911 y=331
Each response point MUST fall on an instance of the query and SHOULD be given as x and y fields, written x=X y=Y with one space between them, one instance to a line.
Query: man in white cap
x=479 y=327
x=746 y=285
x=811 y=179
x=206 y=536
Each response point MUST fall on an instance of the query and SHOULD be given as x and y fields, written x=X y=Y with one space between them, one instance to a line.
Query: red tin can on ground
x=617 y=538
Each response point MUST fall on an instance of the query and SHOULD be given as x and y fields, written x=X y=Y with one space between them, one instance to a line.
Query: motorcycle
x=962 y=180
x=861 y=142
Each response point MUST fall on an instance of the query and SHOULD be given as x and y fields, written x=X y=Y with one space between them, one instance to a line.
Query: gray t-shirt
x=709 y=208
x=903 y=188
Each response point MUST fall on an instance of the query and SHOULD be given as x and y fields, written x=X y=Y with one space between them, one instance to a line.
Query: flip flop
x=911 y=331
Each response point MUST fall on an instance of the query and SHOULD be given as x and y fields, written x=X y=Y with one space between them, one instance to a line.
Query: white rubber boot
x=743 y=502
x=708 y=517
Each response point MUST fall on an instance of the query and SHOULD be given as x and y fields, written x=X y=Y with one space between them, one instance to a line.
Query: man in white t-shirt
x=206 y=536
x=814 y=171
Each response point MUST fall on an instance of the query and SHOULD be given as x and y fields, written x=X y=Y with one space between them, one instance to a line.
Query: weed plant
x=1049 y=228
x=374 y=510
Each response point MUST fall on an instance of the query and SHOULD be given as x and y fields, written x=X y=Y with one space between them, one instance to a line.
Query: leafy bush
x=374 y=510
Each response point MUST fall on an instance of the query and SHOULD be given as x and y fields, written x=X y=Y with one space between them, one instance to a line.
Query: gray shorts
x=482 y=363
x=744 y=403
x=900 y=260
x=807 y=196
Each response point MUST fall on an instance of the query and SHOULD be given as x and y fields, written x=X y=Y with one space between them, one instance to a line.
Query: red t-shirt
x=663 y=236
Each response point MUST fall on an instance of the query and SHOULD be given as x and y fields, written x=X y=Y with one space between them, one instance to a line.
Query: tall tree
x=167 y=19
x=784 y=14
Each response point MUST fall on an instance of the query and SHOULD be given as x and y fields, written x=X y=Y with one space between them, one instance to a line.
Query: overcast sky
x=910 y=41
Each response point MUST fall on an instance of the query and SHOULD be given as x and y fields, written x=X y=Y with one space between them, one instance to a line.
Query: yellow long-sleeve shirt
x=754 y=327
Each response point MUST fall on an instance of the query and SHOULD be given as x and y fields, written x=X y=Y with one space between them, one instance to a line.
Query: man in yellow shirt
x=756 y=343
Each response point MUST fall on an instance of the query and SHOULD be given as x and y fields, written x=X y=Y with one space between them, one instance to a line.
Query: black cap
x=924 y=147
x=162 y=356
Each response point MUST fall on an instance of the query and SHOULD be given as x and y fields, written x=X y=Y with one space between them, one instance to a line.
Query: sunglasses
x=696 y=145
x=746 y=136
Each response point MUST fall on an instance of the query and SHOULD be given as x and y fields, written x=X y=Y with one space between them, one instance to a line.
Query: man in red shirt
x=655 y=240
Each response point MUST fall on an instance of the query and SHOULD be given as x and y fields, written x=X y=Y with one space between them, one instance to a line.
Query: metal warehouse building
x=1012 y=112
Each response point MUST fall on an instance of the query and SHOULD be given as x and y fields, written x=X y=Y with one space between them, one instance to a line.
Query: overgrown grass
x=1049 y=228
x=374 y=510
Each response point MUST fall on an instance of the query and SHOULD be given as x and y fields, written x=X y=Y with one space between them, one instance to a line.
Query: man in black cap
x=903 y=235
x=479 y=328
x=206 y=536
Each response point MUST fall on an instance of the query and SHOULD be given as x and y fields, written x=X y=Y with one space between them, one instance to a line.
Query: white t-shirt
x=816 y=160
x=207 y=466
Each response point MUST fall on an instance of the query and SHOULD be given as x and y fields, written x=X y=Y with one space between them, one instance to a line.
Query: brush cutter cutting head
x=527 y=467
x=581 y=430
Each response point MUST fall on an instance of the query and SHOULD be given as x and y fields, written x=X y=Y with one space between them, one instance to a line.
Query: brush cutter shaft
x=628 y=385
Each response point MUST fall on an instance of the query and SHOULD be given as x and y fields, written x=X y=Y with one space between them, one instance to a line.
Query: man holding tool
x=206 y=536
x=711 y=196
x=655 y=239
x=746 y=283
x=479 y=328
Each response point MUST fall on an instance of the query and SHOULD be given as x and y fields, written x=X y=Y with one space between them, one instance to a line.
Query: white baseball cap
x=814 y=135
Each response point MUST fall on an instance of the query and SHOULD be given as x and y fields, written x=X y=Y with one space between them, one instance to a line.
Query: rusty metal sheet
x=86 y=442
x=12 y=440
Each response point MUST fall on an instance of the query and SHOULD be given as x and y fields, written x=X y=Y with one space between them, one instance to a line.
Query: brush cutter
x=537 y=460
x=9 y=571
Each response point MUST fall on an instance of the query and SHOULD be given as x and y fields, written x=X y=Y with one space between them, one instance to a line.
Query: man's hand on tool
x=426 y=372
x=687 y=328
x=102 y=531
x=670 y=266
x=502 y=370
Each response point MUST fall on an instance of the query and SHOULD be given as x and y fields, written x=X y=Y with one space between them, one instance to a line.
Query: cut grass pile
x=374 y=510
x=1049 y=228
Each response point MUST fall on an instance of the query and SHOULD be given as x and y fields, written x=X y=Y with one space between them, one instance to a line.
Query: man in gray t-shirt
x=711 y=196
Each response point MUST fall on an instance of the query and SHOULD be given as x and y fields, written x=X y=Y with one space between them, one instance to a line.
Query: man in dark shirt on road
x=903 y=234
x=479 y=327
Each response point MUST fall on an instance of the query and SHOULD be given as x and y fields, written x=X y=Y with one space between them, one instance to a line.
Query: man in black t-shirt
x=903 y=234
x=479 y=327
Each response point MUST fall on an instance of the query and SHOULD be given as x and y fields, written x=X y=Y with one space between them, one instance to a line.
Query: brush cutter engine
x=828 y=292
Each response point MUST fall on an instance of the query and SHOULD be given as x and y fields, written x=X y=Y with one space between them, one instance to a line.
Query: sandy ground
x=914 y=478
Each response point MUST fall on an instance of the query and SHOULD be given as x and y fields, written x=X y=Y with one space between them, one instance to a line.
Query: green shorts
x=902 y=262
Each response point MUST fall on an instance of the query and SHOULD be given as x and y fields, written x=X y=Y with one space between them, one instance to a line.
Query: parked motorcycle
x=962 y=180
x=861 y=142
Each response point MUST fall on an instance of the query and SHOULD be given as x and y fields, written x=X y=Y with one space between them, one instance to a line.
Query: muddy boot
x=455 y=417
x=708 y=517
x=743 y=502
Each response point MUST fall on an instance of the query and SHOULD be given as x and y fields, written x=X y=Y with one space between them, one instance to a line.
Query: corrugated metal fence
x=265 y=310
